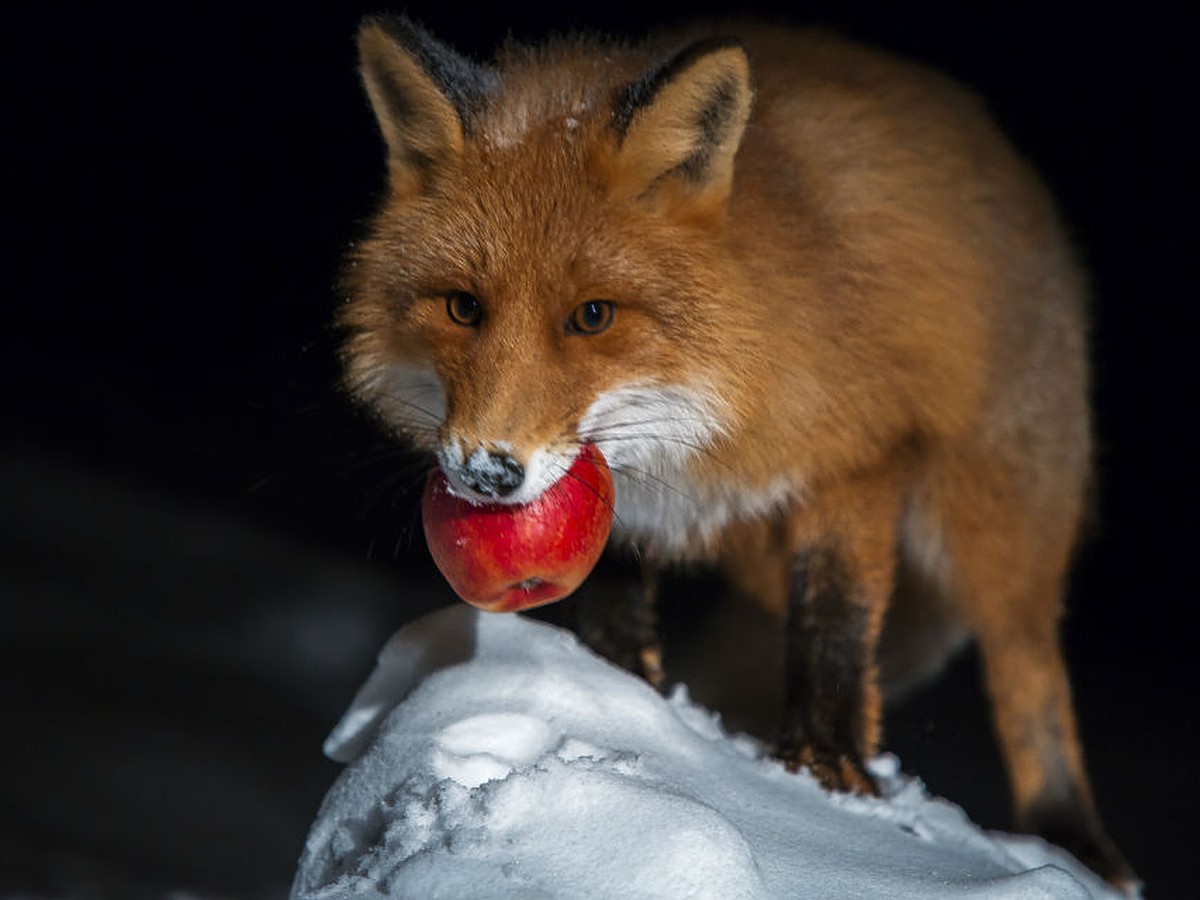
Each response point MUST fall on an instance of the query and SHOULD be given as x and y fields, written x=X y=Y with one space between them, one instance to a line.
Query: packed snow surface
x=491 y=756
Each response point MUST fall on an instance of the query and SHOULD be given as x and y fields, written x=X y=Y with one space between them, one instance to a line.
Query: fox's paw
x=834 y=771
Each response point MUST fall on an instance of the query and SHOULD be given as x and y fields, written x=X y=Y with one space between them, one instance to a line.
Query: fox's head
x=542 y=272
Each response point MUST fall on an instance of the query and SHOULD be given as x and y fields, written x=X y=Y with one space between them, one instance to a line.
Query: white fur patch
x=410 y=398
x=650 y=435
x=542 y=469
x=923 y=542
x=681 y=517
x=655 y=429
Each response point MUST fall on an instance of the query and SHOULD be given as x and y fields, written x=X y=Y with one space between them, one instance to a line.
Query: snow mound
x=492 y=756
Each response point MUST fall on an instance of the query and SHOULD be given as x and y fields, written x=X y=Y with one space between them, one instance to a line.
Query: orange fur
x=837 y=251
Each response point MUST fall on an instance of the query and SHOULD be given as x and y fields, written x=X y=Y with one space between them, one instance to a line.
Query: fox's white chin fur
x=650 y=435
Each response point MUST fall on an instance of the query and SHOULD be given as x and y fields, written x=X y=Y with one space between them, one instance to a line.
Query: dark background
x=202 y=545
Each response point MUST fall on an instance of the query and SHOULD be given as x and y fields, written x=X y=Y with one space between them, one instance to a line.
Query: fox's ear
x=684 y=120
x=423 y=94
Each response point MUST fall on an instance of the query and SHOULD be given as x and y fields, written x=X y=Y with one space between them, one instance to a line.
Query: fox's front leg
x=832 y=704
x=841 y=584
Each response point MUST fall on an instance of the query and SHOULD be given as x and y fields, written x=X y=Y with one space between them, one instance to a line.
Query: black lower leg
x=828 y=664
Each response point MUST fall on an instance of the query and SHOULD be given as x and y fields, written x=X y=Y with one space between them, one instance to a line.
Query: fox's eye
x=591 y=317
x=463 y=308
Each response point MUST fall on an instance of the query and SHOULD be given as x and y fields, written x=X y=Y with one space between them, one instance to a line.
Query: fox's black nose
x=492 y=474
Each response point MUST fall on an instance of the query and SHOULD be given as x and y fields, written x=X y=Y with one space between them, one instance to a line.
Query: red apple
x=506 y=557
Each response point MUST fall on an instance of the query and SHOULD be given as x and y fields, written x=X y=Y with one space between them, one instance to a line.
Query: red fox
x=819 y=317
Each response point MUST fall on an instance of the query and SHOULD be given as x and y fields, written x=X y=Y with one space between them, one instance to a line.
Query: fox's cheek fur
x=659 y=441
x=651 y=429
x=409 y=398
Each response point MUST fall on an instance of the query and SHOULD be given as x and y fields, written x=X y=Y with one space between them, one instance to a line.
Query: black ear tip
x=708 y=45
x=460 y=80
x=642 y=92
x=374 y=30
x=698 y=50
x=400 y=28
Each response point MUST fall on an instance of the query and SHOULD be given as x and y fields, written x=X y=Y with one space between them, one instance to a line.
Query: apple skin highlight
x=505 y=557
